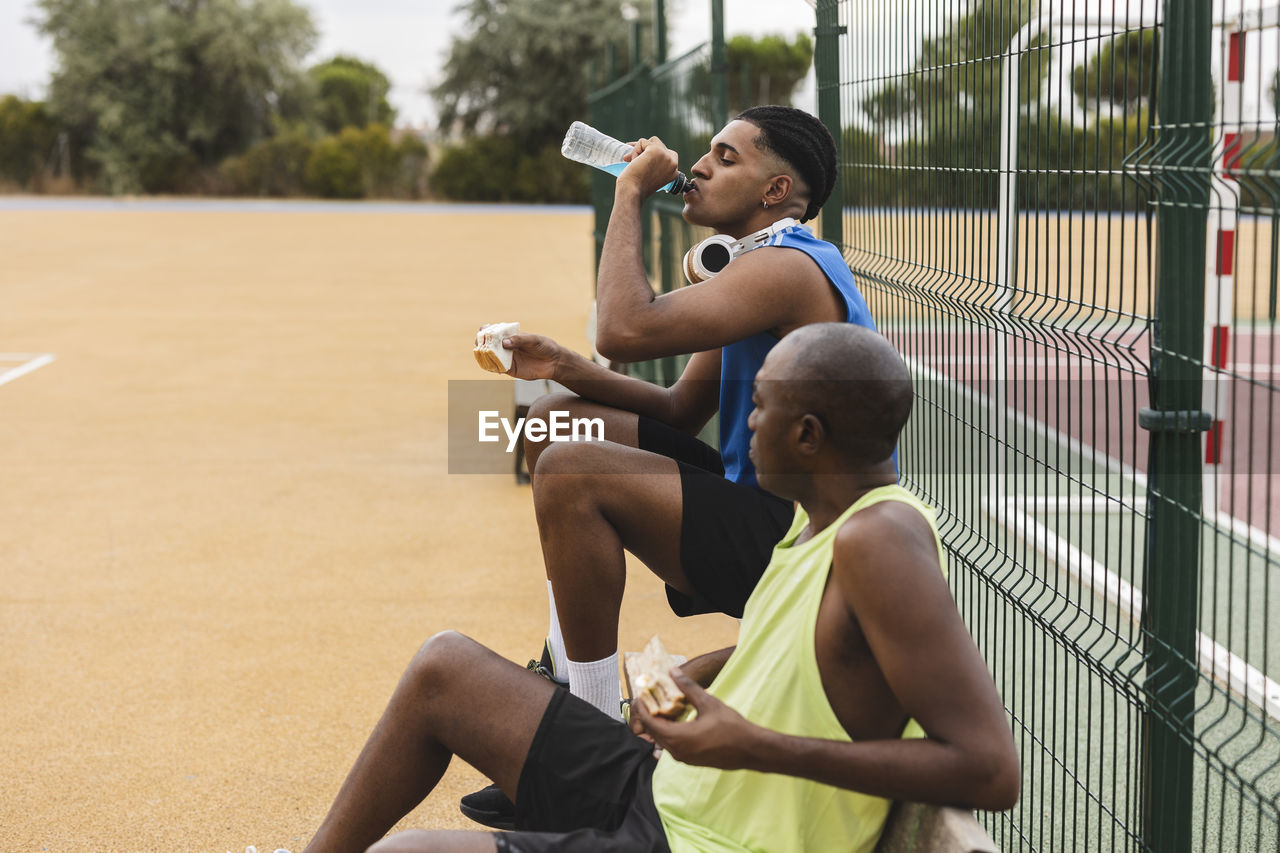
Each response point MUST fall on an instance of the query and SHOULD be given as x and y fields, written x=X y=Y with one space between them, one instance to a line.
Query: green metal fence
x=1066 y=222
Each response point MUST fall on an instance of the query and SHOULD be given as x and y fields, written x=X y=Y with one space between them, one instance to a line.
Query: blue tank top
x=740 y=360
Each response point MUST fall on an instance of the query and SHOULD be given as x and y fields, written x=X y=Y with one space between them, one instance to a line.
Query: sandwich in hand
x=489 y=352
x=647 y=671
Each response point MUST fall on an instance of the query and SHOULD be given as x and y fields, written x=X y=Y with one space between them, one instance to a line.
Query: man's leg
x=456 y=697
x=593 y=502
x=598 y=680
x=620 y=427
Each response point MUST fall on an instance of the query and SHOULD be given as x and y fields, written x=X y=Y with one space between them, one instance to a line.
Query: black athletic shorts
x=586 y=787
x=727 y=530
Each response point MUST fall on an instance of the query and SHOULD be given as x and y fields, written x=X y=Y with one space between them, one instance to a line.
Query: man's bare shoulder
x=890 y=537
x=787 y=279
x=777 y=265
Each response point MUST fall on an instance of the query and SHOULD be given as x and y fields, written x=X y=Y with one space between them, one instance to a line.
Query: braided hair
x=803 y=142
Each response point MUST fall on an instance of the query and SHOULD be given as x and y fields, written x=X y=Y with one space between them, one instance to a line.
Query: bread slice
x=647 y=672
x=489 y=352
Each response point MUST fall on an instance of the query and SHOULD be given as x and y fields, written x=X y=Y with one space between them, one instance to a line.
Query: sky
x=407 y=39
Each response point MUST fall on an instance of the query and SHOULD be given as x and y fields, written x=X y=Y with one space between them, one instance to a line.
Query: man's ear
x=778 y=190
x=810 y=434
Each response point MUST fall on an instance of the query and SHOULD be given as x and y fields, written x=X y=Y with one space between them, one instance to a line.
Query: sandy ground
x=226 y=519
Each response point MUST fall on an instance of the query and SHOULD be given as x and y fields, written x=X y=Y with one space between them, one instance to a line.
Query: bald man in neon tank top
x=854 y=681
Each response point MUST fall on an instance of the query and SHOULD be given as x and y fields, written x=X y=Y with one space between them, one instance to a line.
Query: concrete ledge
x=918 y=828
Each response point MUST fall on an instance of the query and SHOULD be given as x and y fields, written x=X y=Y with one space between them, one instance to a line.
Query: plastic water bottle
x=584 y=144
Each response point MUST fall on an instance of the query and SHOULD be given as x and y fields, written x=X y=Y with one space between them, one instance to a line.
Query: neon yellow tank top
x=772 y=679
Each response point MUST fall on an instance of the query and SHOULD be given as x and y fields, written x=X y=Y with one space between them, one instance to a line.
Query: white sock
x=597 y=682
x=555 y=640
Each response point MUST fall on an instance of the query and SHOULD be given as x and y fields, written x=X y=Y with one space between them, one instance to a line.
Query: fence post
x=1170 y=573
x=826 y=67
x=659 y=32
x=719 y=66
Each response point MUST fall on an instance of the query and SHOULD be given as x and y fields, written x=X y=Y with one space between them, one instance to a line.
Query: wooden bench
x=917 y=828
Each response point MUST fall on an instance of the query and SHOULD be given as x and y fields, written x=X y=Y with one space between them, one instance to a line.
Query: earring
x=766 y=205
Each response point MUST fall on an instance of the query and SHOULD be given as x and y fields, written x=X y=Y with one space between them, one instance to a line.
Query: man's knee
x=442 y=658
x=548 y=403
x=566 y=471
x=541 y=409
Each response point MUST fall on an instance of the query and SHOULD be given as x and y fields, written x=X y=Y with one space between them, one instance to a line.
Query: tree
x=27 y=138
x=865 y=181
x=520 y=67
x=939 y=119
x=942 y=114
x=765 y=70
x=351 y=93
x=1122 y=74
x=1115 y=87
x=276 y=166
x=499 y=168
x=157 y=89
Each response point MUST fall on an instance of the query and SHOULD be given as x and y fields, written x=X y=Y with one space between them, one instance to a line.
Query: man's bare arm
x=704 y=668
x=687 y=405
x=771 y=288
x=929 y=661
x=762 y=290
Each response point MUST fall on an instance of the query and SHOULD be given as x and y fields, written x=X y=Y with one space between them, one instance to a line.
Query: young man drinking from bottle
x=693 y=515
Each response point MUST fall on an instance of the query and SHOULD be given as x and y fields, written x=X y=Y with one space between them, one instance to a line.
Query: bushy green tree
x=765 y=70
x=941 y=115
x=1066 y=166
x=366 y=163
x=498 y=168
x=276 y=166
x=27 y=139
x=351 y=93
x=864 y=180
x=333 y=171
x=1122 y=74
x=156 y=90
x=520 y=67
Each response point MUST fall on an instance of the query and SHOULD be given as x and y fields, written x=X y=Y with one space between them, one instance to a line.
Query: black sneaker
x=490 y=807
x=545 y=666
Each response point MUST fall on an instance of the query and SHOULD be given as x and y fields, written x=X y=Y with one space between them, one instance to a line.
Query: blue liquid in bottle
x=585 y=144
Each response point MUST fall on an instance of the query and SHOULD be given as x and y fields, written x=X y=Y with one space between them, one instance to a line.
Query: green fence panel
x=1065 y=218
x=1027 y=195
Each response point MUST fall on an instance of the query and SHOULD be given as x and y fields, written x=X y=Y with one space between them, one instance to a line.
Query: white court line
x=1257 y=537
x=1219 y=663
x=1215 y=660
x=1079 y=504
x=28 y=362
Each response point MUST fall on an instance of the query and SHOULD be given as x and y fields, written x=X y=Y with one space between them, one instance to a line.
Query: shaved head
x=853 y=380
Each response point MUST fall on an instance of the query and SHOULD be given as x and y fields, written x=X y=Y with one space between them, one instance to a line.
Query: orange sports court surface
x=226 y=520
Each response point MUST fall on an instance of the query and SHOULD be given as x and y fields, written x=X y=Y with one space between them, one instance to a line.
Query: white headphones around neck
x=713 y=254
